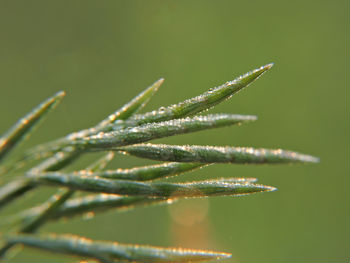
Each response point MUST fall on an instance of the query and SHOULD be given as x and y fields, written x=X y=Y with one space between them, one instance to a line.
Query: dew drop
x=211 y=90
x=161 y=110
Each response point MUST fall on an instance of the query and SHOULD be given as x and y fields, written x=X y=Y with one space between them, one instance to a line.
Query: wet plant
x=125 y=132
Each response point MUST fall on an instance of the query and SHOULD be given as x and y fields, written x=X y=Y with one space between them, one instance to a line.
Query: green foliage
x=126 y=131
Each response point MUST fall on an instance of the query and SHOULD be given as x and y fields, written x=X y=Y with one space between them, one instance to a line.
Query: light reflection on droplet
x=189 y=212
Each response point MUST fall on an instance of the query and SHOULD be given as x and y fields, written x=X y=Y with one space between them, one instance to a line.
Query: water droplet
x=161 y=110
x=211 y=90
x=135 y=129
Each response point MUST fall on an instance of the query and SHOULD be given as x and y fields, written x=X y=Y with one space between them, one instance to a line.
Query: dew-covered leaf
x=151 y=131
x=23 y=127
x=149 y=172
x=96 y=203
x=13 y=190
x=161 y=189
x=202 y=102
x=69 y=244
x=215 y=154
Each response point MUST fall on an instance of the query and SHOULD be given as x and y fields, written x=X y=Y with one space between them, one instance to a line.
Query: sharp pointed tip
x=271 y=188
x=253 y=75
x=265 y=68
x=304 y=158
x=264 y=188
x=224 y=255
x=157 y=84
x=252 y=117
x=217 y=255
x=59 y=95
x=270 y=65
x=311 y=159
x=160 y=81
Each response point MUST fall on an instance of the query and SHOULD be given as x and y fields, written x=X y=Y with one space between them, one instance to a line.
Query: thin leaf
x=22 y=128
x=13 y=190
x=215 y=154
x=57 y=161
x=151 y=131
x=49 y=208
x=134 y=105
x=96 y=203
x=149 y=172
x=165 y=190
x=80 y=246
x=202 y=102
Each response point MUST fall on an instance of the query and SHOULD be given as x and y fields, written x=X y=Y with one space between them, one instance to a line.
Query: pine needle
x=202 y=102
x=69 y=244
x=131 y=188
x=23 y=127
x=215 y=154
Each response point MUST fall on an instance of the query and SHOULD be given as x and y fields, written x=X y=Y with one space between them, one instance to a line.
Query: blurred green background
x=105 y=52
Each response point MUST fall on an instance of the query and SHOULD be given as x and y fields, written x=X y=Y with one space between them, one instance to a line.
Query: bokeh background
x=105 y=52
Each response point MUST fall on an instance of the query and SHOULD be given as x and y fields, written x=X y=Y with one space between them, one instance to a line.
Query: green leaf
x=96 y=203
x=202 y=102
x=22 y=128
x=215 y=154
x=57 y=161
x=13 y=190
x=80 y=246
x=165 y=190
x=149 y=172
x=50 y=207
x=151 y=131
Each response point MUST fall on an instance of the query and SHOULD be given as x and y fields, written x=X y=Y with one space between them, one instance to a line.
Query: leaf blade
x=201 y=102
x=164 y=190
x=22 y=128
x=158 y=130
x=149 y=172
x=75 y=245
x=215 y=154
